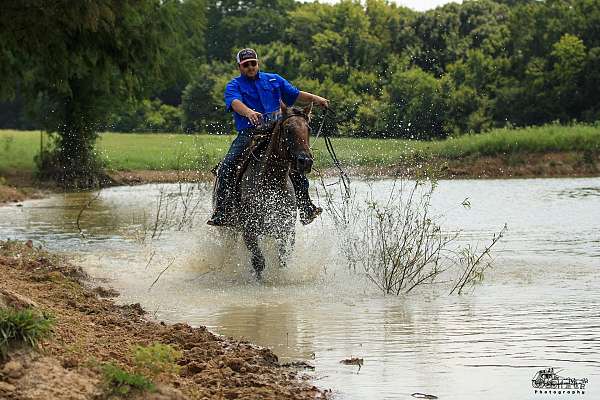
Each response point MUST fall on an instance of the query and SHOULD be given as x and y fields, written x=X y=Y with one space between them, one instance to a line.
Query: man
x=252 y=95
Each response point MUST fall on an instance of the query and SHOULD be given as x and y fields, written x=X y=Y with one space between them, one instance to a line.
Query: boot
x=222 y=214
x=308 y=212
x=219 y=218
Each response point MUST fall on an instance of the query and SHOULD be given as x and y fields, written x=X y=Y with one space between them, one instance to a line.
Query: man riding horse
x=252 y=95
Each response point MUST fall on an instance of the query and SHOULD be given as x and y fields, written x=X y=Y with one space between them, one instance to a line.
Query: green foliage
x=203 y=109
x=416 y=108
x=26 y=327
x=153 y=65
x=83 y=60
x=121 y=382
x=156 y=359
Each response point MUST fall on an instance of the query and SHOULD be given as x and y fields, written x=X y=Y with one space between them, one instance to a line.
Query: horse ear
x=308 y=110
x=283 y=107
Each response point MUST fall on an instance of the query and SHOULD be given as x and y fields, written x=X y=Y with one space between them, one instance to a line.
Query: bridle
x=285 y=138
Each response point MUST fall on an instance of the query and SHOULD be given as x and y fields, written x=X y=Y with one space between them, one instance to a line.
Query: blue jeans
x=226 y=174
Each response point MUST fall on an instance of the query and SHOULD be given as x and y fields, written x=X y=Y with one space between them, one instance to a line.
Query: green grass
x=201 y=152
x=149 y=362
x=121 y=383
x=156 y=359
x=22 y=327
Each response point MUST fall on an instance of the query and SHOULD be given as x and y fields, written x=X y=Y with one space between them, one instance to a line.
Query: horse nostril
x=304 y=163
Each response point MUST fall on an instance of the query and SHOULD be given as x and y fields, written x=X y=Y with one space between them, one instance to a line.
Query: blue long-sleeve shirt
x=261 y=94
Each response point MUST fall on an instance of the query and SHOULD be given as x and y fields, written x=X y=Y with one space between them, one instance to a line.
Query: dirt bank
x=91 y=330
x=565 y=164
x=18 y=186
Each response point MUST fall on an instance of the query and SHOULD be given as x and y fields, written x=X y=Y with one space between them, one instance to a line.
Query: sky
x=419 y=5
x=422 y=5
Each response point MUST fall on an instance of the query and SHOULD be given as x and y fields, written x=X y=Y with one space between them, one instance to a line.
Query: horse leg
x=285 y=245
x=258 y=260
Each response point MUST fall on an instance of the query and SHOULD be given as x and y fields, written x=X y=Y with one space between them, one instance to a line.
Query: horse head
x=294 y=135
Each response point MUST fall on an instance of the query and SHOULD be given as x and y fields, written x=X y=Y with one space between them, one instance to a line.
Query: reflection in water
x=537 y=308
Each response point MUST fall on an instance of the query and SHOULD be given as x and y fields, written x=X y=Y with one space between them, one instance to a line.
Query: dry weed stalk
x=85 y=207
x=174 y=210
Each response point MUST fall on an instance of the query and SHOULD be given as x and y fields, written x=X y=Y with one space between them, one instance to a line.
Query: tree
x=416 y=109
x=570 y=56
x=203 y=104
x=236 y=23
x=81 y=58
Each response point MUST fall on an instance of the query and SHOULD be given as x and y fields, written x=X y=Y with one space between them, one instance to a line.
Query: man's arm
x=305 y=97
x=245 y=111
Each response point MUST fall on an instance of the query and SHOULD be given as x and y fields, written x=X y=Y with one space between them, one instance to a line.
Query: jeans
x=226 y=174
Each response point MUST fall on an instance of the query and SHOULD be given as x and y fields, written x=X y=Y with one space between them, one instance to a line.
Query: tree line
x=389 y=71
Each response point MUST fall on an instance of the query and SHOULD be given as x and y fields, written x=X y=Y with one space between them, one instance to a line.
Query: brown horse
x=267 y=205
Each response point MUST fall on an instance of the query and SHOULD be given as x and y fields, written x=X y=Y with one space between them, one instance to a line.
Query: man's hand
x=253 y=116
x=320 y=101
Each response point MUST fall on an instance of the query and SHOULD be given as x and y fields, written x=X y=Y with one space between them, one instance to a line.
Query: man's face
x=249 y=68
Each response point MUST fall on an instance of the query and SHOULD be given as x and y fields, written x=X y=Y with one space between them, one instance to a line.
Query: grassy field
x=201 y=152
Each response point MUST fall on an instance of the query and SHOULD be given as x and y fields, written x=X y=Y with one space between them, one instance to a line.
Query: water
x=537 y=308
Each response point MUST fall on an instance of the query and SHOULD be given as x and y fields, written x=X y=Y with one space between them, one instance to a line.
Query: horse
x=267 y=200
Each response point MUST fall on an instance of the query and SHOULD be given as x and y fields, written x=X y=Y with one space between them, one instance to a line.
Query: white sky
x=422 y=5
x=419 y=5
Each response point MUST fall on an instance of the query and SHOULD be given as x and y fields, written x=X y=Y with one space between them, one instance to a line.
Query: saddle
x=255 y=149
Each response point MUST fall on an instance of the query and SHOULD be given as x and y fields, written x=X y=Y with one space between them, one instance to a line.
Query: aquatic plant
x=474 y=263
x=398 y=243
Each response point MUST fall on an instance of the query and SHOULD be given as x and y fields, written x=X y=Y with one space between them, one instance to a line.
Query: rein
x=329 y=113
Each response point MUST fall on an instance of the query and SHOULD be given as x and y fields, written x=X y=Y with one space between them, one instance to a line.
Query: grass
x=26 y=327
x=149 y=363
x=120 y=382
x=201 y=152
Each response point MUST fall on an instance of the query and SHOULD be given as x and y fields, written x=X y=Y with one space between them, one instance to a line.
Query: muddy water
x=538 y=307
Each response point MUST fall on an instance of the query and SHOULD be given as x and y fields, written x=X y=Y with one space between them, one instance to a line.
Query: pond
x=536 y=308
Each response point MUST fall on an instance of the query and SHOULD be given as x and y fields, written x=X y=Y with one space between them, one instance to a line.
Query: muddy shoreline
x=91 y=330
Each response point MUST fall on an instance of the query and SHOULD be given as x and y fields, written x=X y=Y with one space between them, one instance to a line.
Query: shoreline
x=90 y=330
x=19 y=186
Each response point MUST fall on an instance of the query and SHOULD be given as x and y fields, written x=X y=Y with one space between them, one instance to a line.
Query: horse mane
x=295 y=110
